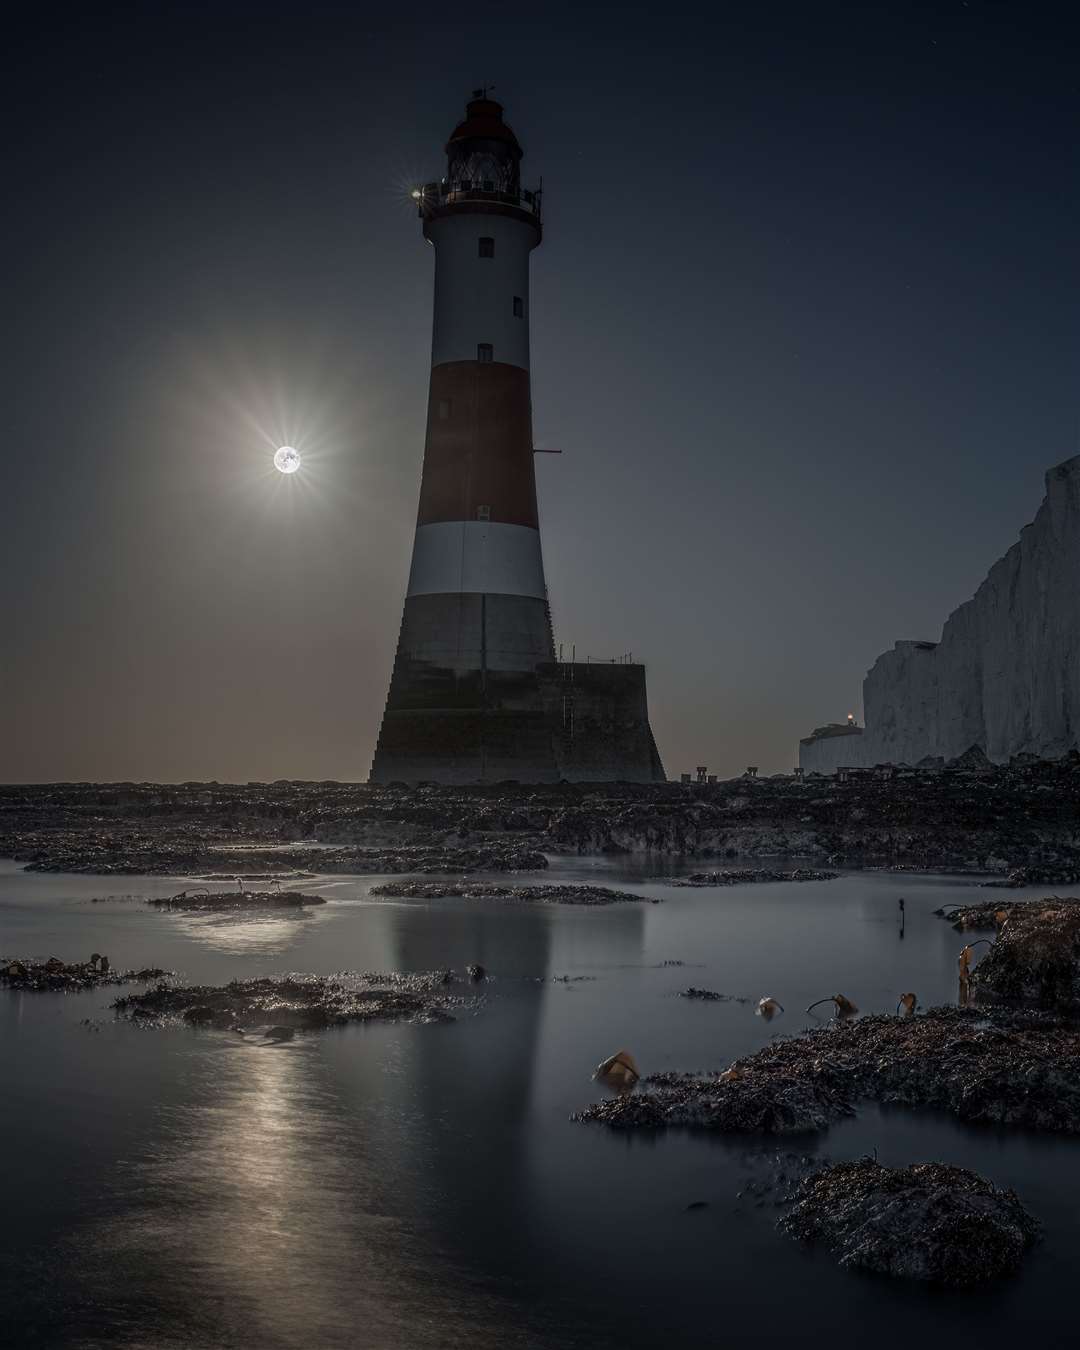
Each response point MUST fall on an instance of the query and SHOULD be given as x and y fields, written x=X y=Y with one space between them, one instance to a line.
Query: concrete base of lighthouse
x=464 y=704
x=475 y=697
x=598 y=719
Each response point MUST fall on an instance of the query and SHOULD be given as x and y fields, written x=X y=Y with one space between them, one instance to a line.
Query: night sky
x=804 y=326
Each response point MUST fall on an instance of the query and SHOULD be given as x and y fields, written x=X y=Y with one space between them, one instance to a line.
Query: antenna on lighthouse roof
x=483 y=91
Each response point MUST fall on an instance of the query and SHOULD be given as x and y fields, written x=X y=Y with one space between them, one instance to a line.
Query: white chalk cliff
x=1005 y=675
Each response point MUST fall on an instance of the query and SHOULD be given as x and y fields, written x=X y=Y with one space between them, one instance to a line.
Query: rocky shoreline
x=1012 y=1058
x=995 y=820
x=216 y=863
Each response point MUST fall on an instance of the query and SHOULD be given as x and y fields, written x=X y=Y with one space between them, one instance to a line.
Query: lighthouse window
x=444 y=410
x=483 y=513
x=487 y=247
x=485 y=351
x=519 y=307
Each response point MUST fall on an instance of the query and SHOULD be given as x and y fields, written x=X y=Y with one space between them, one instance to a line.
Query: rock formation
x=927 y=1222
x=1006 y=674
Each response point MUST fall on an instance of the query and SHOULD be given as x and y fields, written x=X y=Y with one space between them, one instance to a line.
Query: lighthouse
x=476 y=694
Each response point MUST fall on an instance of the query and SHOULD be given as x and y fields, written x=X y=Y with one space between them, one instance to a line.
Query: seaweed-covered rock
x=56 y=976
x=227 y=902
x=987 y=915
x=1008 y=1068
x=1036 y=957
x=735 y=1102
x=306 y=1002
x=925 y=1222
x=492 y=890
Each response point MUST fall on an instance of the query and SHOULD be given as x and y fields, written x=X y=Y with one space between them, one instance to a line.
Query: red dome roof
x=483 y=121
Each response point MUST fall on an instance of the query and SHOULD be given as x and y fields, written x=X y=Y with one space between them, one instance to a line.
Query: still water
x=416 y=1186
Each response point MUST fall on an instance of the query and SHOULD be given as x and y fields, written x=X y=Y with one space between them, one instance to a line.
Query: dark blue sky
x=804 y=321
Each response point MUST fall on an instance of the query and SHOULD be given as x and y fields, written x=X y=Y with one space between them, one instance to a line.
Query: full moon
x=287 y=459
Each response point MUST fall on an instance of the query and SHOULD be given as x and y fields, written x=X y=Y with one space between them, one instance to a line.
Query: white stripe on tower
x=477 y=556
x=474 y=295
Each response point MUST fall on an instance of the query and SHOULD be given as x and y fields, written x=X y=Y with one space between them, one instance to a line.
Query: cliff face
x=1006 y=674
x=1030 y=630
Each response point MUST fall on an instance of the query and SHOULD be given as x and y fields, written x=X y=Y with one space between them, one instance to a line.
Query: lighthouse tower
x=476 y=694
x=464 y=703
